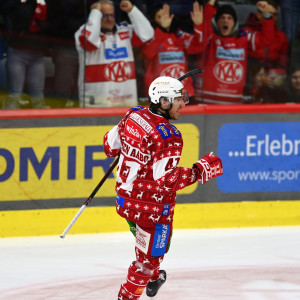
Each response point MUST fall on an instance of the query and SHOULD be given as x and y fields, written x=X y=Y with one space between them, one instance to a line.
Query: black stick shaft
x=190 y=73
x=89 y=199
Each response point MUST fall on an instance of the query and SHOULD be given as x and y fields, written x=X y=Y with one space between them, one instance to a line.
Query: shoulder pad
x=175 y=130
x=164 y=131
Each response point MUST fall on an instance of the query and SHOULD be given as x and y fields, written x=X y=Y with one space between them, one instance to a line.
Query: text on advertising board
x=260 y=157
x=65 y=162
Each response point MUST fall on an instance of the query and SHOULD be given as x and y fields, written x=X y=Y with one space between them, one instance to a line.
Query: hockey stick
x=89 y=199
x=190 y=73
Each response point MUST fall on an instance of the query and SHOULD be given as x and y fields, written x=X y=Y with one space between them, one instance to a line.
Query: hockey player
x=107 y=72
x=148 y=178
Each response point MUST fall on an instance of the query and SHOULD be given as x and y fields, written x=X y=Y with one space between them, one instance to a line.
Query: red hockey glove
x=210 y=166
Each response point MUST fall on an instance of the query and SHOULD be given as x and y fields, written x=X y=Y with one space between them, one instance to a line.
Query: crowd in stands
x=68 y=53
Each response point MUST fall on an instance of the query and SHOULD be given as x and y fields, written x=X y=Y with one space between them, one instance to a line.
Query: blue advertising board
x=259 y=157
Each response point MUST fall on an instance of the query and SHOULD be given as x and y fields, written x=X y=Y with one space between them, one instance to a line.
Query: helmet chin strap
x=165 y=113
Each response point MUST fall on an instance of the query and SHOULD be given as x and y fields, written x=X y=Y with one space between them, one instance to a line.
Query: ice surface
x=210 y=264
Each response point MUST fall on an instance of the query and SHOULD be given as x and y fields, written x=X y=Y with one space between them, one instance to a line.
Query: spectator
x=262 y=85
x=292 y=88
x=273 y=55
x=180 y=8
x=255 y=79
x=166 y=54
x=64 y=17
x=107 y=73
x=272 y=89
x=225 y=52
x=25 y=53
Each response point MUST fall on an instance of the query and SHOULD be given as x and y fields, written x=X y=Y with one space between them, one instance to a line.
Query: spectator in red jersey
x=107 y=74
x=225 y=52
x=274 y=54
x=166 y=54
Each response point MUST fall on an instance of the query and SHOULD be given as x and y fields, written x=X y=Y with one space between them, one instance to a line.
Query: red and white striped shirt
x=107 y=72
x=148 y=175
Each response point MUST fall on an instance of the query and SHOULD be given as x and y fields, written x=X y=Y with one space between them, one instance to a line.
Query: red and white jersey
x=273 y=55
x=225 y=61
x=107 y=72
x=148 y=175
x=166 y=55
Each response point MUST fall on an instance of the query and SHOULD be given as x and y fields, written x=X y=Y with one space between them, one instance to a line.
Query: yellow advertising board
x=66 y=162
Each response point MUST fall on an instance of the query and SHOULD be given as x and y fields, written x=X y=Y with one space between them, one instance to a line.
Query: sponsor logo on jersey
x=171 y=57
x=120 y=201
x=133 y=131
x=141 y=121
x=160 y=241
x=135 y=153
x=176 y=131
x=142 y=239
x=137 y=108
x=123 y=35
x=175 y=175
x=170 y=41
x=116 y=53
x=139 y=290
x=118 y=71
x=166 y=209
x=233 y=54
x=229 y=72
x=164 y=131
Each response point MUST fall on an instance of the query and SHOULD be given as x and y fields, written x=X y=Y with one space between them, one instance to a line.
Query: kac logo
x=229 y=72
x=174 y=71
x=118 y=71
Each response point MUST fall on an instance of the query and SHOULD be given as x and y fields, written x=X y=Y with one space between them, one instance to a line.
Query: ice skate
x=153 y=286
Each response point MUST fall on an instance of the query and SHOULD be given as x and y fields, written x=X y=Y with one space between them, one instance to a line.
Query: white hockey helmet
x=167 y=87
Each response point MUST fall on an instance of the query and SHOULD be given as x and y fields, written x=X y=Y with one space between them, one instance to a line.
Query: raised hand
x=96 y=5
x=166 y=18
x=197 y=14
x=126 y=6
x=263 y=6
